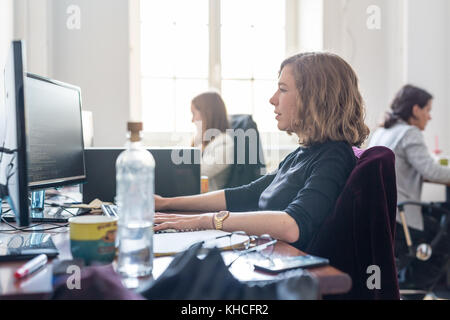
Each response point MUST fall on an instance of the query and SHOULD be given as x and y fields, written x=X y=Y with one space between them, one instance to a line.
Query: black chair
x=248 y=164
x=425 y=262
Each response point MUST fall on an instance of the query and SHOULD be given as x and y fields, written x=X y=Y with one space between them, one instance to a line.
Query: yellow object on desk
x=93 y=238
x=204 y=184
x=95 y=206
x=443 y=161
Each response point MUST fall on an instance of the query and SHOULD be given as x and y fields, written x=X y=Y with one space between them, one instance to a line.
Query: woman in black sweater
x=319 y=101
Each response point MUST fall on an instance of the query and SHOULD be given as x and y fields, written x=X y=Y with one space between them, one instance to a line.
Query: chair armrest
x=442 y=229
x=428 y=205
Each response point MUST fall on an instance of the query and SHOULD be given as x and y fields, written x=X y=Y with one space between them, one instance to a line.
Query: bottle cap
x=135 y=128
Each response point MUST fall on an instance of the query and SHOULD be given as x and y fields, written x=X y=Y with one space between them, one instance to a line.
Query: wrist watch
x=219 y=217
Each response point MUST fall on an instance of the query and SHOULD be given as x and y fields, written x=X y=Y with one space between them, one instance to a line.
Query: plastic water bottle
x=135 y=169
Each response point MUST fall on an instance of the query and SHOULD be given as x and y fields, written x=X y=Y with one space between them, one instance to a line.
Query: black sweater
x=306 y=186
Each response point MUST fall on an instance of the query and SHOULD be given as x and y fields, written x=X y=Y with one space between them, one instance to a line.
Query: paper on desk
x=166 y=244
x=94 y=204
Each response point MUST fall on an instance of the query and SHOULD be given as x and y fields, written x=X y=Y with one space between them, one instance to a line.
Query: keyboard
x=110 y=210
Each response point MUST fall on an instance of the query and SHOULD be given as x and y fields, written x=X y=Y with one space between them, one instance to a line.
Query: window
x=252 y=48
x=174 y=61
x=184 y=54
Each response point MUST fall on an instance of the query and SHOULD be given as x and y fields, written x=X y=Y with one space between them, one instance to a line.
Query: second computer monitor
x=172 y=179
x=55 y=133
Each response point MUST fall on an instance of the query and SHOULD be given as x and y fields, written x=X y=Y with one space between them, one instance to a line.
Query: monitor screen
x=13 y=155
x=171 y=179
x=55 y=133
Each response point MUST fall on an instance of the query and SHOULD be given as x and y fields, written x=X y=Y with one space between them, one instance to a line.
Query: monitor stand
x=38 y=200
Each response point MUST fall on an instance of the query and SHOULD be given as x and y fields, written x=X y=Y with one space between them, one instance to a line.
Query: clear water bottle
x=135 y=169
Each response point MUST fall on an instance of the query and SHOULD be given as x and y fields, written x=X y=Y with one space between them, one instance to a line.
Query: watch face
x=222 y=214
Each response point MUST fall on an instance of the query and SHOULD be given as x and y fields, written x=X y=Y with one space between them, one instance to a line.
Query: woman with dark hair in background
x=402 y=133
x=210 y=116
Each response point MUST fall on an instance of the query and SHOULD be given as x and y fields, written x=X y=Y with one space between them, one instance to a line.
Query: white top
x=217 y=159
x=413 y=164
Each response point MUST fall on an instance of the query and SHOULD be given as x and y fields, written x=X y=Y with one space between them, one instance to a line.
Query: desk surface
x=331 y=280
x=434 y=182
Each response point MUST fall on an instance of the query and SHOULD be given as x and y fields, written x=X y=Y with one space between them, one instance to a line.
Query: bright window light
x=174 y=61
x=176 y=48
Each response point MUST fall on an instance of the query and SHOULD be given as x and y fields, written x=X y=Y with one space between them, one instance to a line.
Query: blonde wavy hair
x=329 y=104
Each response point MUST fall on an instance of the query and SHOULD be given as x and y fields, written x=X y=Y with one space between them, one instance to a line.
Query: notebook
x=167 y=244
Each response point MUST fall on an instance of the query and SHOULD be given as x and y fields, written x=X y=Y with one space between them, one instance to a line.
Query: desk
x=447 y=189
x=331 y=280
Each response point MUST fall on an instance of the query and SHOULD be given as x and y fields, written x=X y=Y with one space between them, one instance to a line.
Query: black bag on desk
x=189 y=278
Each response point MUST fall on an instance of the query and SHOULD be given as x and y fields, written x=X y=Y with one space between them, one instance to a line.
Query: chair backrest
x=248 y=164
x=358 y=237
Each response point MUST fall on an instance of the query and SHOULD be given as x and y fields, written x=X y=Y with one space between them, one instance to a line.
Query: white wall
x=411 y=46
x=428 y=66
x=6 y=35
x=96 y=58
x=428 y=61
x=31 y=23
x=373 y=53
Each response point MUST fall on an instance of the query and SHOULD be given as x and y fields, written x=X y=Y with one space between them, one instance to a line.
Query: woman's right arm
x=243 y=198
x=206 y=202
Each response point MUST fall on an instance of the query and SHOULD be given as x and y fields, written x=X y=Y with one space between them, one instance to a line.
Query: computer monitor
x=55 y=133
x=48 y=149
x=171 y=179
x=13 y=153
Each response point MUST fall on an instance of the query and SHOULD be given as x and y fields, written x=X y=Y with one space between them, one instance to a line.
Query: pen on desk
x=31 y=266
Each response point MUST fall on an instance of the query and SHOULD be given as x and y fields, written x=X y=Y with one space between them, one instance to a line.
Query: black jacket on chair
x=358 y=237
x=248 y=164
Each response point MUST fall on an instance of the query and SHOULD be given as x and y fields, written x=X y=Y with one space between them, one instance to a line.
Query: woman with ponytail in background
x=210 y=116
x=402 y=133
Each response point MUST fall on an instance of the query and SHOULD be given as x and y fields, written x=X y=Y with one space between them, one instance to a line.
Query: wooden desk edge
x=332 y=281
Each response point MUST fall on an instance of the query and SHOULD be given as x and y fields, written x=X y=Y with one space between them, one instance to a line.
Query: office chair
x=358 y=237
x=424 y=262
x=246 y=166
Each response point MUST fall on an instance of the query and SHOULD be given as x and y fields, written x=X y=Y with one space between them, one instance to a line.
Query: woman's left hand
x=183 y=221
